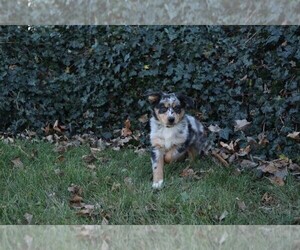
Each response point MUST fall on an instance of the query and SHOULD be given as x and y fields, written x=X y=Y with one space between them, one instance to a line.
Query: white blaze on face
x=169 y=104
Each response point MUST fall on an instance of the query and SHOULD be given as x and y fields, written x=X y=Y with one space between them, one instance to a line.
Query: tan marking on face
x=153 y=98
x=163 y=117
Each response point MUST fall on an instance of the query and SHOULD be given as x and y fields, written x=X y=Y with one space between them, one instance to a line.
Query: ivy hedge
x=91 y=78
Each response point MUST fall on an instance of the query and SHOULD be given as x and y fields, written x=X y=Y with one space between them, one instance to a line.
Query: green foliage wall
x=91 y=77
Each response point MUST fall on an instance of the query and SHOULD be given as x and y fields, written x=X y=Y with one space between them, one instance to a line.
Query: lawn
x=42 y=186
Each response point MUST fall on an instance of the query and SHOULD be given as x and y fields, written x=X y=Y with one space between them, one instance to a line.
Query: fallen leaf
x=47 y=129
x=189 y=173
x=262 y=139
x=214 y=128
x=246 y=164
x=229 y=146
x=84 y=212
x=101 y=144
x=244 y=151
x=241 y=204
x=267 y=199
x=116 y=186
x=269 y=167
x=241 y=124
x=104 y=221
x=91 y=166
x=59 y=172
x=60 y=158
x=144 y=118
x=60 y=149
x=223 y=215
x=244 y=78
x=294 y=135
x=50 y=138
x=28 y=217
x=8 y=140
x=76 y=199
x=220 y=159
x=18 y=163
x=128 y=181
x=276 y=181
x=140 y=151
x=126 y=130
x=232 y=158
x=75 y=189
x=89 y=158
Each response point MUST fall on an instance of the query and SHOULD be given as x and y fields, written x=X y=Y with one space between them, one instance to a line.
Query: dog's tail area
x=204 y=144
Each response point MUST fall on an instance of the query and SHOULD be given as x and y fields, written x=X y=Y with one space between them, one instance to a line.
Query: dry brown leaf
x=267 y=199
x=104 y=221
x=189 y=173
x=144 y=118
x=47 y=129
x=126 y=130
x=76 y=199
x=214 y=128
x=245 y=77
x=91 y=166
x=89 y=158
x=101 y=144
x=59 y=172
x=262 y=139
x=116 y=186
x=294 y=135
x=230 y=147
x=50 y=138
x=60 y=149
x=60 y=158
x=244 y=151
x=223 y=215
x=241 y=204
x=269 y=168
x=232 y=158
x=276 y=180
x=246 y=164
x=28 y=217
x=128 y=182
x=241 y=124
x=140 y=151
x=74 y=189
x=220 y=159
x=17 y=163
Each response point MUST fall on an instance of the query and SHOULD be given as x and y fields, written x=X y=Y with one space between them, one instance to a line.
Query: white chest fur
x=168 y=137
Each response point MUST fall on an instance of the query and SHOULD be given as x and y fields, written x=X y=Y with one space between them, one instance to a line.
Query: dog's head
x=169 y=108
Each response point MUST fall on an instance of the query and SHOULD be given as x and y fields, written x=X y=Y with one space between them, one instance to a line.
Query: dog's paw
x=157 y=184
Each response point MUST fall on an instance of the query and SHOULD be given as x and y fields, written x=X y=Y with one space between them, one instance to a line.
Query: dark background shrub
x=91 y=78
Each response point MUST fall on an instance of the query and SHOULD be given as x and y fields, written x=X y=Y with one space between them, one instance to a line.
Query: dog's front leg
x=157 y=159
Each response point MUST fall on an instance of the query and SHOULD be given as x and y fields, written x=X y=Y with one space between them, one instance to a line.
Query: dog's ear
x=185 y=100
x=153 y=97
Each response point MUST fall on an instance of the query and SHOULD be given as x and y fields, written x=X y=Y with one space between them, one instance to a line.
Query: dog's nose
x=171 y=119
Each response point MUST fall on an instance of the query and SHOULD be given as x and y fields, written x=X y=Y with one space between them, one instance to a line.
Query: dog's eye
x=162 y=109
x=177 y=109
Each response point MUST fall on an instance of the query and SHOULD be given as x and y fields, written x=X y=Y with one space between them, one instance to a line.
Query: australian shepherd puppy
x=174 y=134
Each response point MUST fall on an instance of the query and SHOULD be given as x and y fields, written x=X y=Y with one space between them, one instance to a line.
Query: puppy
x=174 y=134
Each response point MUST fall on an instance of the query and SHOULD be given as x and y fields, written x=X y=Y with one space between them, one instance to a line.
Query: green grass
x=38 y=190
